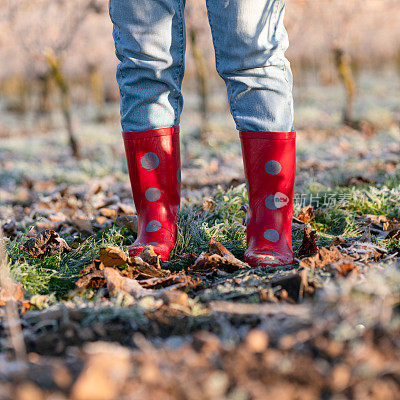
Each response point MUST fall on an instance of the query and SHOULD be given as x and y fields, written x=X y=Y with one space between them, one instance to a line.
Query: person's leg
x=150 y=44
x=149 y=38
x=250 y=41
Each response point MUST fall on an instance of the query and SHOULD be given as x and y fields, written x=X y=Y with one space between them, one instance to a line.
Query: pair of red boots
x=269 y=161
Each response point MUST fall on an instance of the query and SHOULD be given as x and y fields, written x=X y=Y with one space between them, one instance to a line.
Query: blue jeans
x=249 y=41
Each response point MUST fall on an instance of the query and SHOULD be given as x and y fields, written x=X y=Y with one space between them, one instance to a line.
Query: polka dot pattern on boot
x=153 y=226
x=270 y=202
x=152 y=194
x=273 y=167
x=150 y=161
x=271 y=235
x=248 y=218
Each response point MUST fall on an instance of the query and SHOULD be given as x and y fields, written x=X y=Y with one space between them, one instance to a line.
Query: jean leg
x=149 y=38
x=250 y=41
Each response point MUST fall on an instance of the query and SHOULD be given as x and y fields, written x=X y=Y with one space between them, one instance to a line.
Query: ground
x=327 y=328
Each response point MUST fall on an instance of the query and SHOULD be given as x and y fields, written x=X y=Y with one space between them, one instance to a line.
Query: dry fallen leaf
x=146 y=269
x=125 y=209
x=308 y=245
x=306 y=214
x=149 y=256
x=108 y=213
x=128 y=221
x=96 y=265
x=112 y=256
x=92 y=280
x=359 y=180
x=344 y=268
x=82 y=224
x=338 y=241
x=208 y=206
x=116 y=283
x=217 y=257
x=324 y=256
x=46 y=243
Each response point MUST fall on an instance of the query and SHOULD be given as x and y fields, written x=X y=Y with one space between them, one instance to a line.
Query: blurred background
x=59 y=101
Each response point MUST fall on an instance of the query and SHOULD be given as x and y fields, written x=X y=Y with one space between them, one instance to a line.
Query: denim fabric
x=249 y=41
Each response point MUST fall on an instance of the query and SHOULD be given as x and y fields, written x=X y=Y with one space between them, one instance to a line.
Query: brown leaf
x=217 y=257
x=344 y=268
x=365 y=251
x=324 y=256
x=146 y=269
x=179 y=278
x=338 y=241
x=83 y=224
x=96 y=265
x=93 y=280
x=101 y=220
x=208 y=206
x=359 y=180
x=116 y=282
x=112 y=256
x=130 y=272
x=308 y=245
x=108 y=213
x=125 y=209
x=306 y=214
x=149 y=256
x=380 y=225
x=128 y=221
x=11 y=291
x=46 y=243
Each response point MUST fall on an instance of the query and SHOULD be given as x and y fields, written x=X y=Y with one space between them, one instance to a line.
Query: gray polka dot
x=178 y=175
x=248 y=218
x=152 y=194
x=150 y=161
x=153 y=226
x=270 y=202
x=273 y=167
x=271 y=235
x=153 y=243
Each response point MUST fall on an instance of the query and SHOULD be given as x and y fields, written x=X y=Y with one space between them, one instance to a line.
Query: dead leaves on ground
x=112 y=256
x=46 y=243
x=381 y=226
x=343 y=257
x=306 y=214
x=82 y=209
x=116 y=270
x=136 y=271
x=217 y=257
x=308 y=246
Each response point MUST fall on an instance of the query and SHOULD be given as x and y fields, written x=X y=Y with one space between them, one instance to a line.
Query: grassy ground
x=343 y=327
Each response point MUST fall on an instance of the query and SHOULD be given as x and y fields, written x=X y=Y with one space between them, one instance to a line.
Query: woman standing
x=250 y=41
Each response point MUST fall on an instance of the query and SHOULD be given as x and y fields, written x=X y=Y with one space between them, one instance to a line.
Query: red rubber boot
x=154 y=169
x=269 y=164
